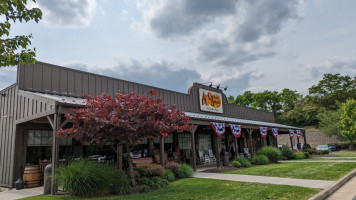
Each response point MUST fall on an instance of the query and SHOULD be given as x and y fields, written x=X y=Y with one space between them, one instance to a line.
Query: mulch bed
x=221 y=169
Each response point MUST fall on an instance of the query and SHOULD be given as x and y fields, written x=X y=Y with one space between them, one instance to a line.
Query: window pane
x=30 y=138
x=37 y=137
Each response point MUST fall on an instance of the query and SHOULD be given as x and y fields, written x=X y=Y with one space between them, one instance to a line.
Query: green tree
x=267 y=100
x=288 y=99
x=331 y=89
x=16 y=50
x=246 y=99
x=304 y=113
x=347 y=124
x=329 y=121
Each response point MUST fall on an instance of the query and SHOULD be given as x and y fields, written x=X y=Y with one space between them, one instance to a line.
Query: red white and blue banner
x=291 y=133
x=219 y=128
x=275 y=132
x=164 y=134
x=298 y=133
x=236 y=130
x=263 y=131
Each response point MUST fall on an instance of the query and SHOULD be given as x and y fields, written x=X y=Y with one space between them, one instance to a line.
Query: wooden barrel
x=32 y=176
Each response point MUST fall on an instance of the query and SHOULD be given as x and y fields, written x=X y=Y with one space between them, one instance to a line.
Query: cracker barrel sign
x=210 y=101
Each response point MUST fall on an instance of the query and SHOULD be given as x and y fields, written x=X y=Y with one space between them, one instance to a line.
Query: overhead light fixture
x=211 y=84
x=218 y=86
x=225 y=88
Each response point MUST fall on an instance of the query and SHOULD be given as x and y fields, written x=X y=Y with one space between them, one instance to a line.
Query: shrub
x=85 y=178
x=168 y=175
x=260 y=160
x=272 y=153
x=299 y=155
x=155 y=170
x=244 y=162
x=142 y=171
x=174 y=167
x=306 y=154
x=236 y=163
x=185 y=171
x=146 y=181
x=287 y=153
x=158 y=182
x=326 y=151
x=155 y=183
x=121 y=184
x=311 y=151
x=145 y=188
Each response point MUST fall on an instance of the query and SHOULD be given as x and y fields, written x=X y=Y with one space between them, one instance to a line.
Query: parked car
x=280 y=146
x=322 y=147
x=333 y=147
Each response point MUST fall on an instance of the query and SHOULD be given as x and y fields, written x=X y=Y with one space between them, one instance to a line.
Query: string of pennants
x=219 y=129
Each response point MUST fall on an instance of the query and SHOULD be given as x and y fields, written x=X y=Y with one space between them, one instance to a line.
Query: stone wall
x=313 y=135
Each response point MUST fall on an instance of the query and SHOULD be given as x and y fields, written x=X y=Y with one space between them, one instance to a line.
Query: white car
x=322 y=147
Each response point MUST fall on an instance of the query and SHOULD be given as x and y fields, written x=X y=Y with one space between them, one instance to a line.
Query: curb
x=335 y=186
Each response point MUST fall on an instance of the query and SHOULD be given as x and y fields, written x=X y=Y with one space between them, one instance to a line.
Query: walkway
x=320 y=184
x=346 y=192
x=18 y=194
x=287 y=161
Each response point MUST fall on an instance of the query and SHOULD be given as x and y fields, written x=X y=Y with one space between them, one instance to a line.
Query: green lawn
x=195 y=188
x=302 y=170
x=345 y=154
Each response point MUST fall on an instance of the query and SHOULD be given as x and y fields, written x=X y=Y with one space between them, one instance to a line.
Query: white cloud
x=68 y=13
x=7 y=76
x=337 y=64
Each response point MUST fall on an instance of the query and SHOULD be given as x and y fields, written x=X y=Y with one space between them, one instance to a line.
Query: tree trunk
x=351 y=144
x=131 y=172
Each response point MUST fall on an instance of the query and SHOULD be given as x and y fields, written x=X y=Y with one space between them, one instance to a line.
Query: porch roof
x=240 y=121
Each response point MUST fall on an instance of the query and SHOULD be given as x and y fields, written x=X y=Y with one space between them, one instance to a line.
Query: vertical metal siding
x=70 y=82
x=8 y=112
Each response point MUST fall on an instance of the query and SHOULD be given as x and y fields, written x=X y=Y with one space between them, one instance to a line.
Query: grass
x=302 y=170
x=195 y=188
x=344 y=154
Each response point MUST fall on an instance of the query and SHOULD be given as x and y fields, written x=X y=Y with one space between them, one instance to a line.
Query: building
x=33 y=107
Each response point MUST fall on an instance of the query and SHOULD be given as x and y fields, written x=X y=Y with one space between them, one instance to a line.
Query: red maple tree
x=125 y=118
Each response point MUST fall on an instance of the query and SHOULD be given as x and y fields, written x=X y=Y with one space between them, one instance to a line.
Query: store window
x=39 y=146
x=205 y=143
x=184 y=140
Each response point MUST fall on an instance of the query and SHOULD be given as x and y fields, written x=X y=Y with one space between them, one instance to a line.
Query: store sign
x=210 y=101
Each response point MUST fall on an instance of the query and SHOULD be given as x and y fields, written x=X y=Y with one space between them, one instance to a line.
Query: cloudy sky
x=243 y=44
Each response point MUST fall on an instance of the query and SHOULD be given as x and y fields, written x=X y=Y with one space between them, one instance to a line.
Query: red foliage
x=126 y=117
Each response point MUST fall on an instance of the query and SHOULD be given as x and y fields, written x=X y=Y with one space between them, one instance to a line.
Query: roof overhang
x=206 y=117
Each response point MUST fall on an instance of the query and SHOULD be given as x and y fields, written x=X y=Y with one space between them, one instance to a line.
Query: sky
x=251 y=45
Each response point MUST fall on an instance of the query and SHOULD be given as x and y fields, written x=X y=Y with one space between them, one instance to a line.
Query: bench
x=143 y=162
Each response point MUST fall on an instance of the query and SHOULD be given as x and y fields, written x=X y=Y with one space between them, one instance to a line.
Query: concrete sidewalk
x=346 y=192
x=319 y=184
x=288 y=161
x=18 y=194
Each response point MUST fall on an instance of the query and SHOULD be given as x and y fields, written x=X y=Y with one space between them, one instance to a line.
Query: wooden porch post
x=216 y=150
x=298 y=146
x=250 y=130
x=236 y=147
x=162 y=150
x=119 y=149
x=291 y=142
x=305 y=141
x=55 y=148
x=193 y=159
x=151 y=147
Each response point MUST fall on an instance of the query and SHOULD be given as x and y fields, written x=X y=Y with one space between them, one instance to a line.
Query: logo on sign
x=210 y=101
